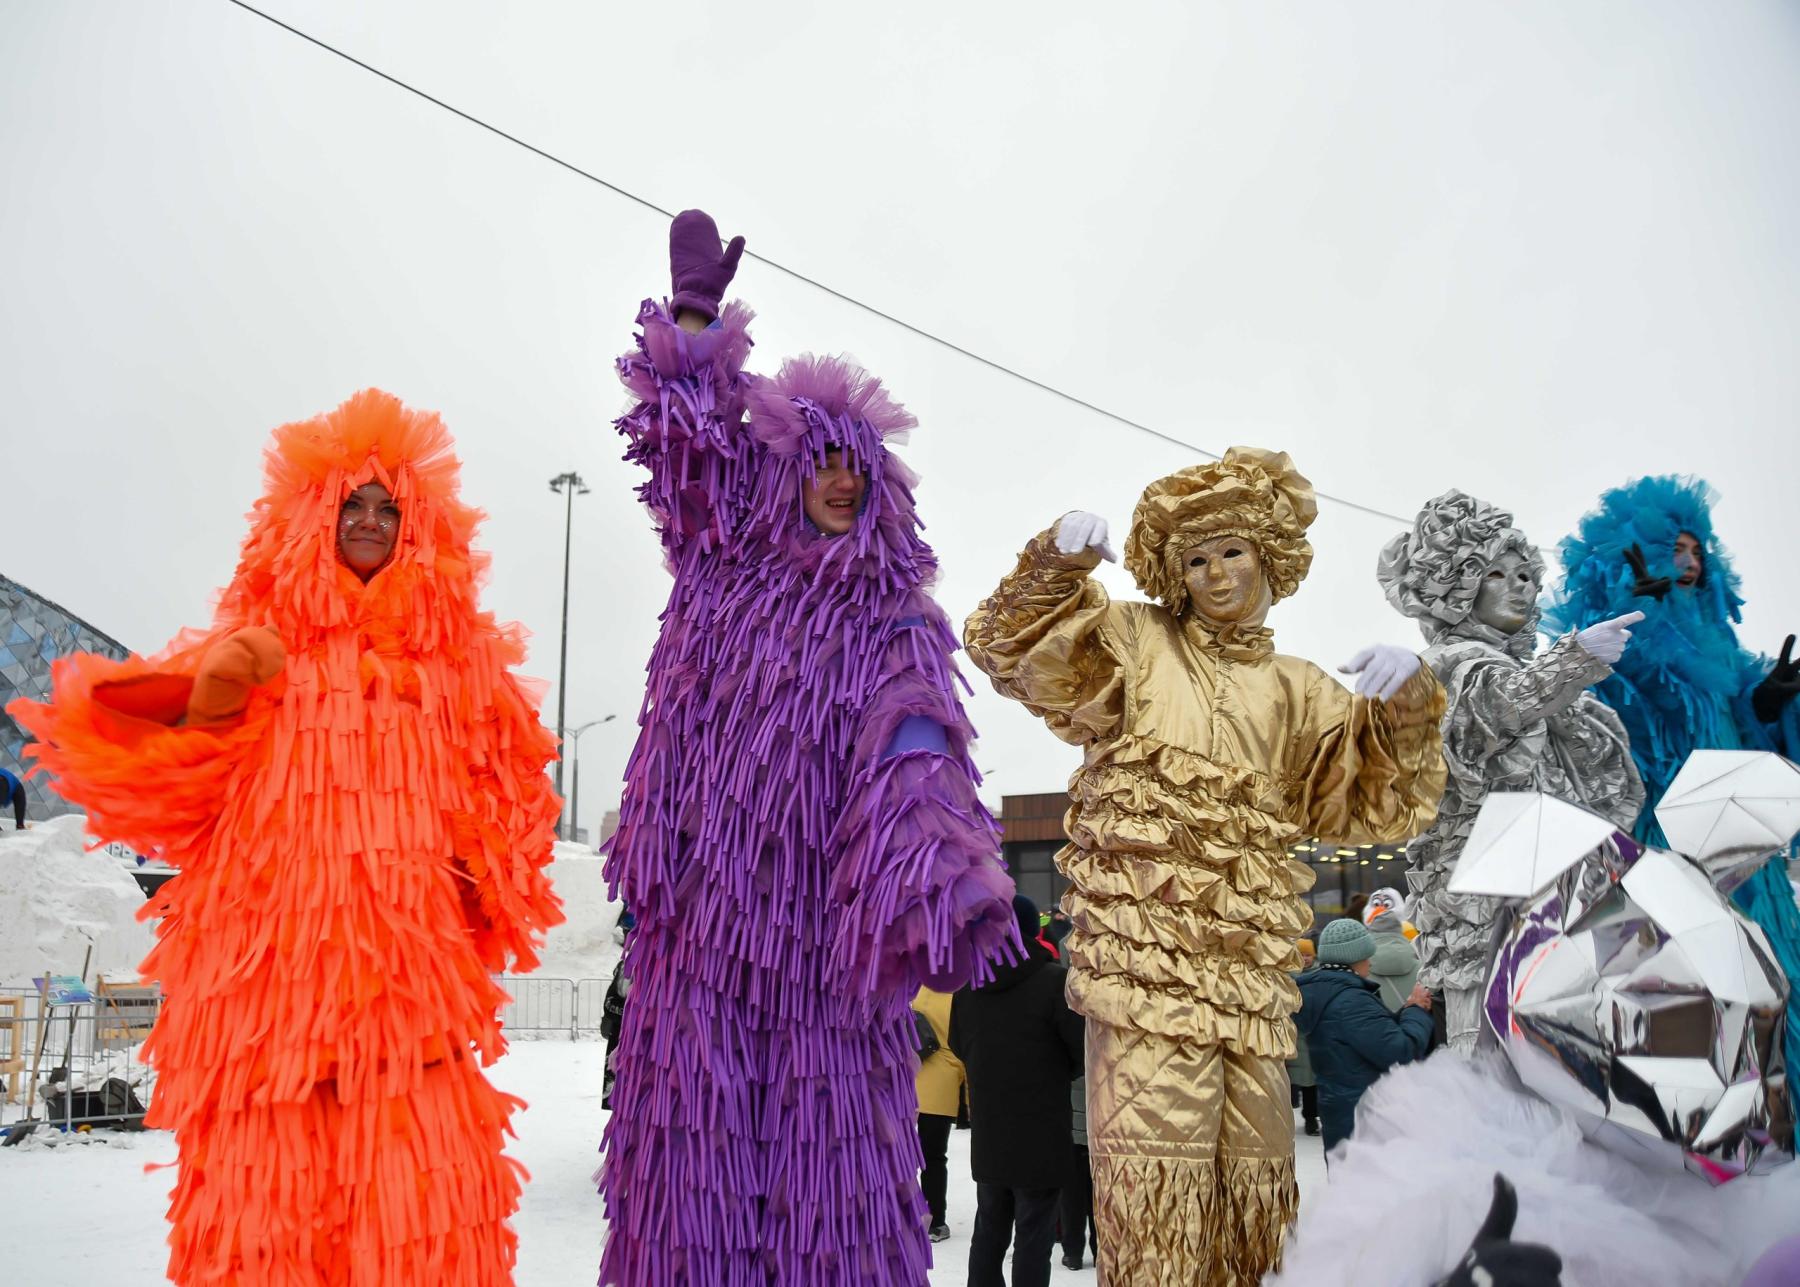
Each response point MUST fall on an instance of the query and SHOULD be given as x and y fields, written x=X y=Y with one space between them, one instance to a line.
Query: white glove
x=1080 y=531
x=1605 y=641
x=1381 y=670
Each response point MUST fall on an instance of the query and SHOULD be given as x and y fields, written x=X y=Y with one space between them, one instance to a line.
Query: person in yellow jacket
x=940 y=1087
x=1206 y=755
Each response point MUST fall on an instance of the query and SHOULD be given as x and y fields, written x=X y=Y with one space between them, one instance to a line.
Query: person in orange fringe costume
x=350 y=779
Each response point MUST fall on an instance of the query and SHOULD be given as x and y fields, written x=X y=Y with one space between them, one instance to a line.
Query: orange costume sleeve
x=110 y=738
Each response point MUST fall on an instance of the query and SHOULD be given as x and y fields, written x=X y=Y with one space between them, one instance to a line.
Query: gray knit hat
x=1345 y=942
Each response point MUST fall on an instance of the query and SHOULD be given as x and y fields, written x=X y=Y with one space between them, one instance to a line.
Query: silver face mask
x=1507 y=595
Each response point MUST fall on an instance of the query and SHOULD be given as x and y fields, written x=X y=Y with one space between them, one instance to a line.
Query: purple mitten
x=698 y=272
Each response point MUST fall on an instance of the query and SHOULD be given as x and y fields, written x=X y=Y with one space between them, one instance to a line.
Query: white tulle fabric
x=1406 y=1193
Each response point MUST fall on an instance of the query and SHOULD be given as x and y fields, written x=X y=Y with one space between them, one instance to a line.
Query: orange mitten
x=230 y=669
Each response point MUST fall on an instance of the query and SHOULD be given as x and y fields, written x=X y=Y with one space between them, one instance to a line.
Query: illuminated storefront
x=1340 y=872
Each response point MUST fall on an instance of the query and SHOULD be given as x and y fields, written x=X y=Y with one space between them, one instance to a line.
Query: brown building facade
x=1031 y=831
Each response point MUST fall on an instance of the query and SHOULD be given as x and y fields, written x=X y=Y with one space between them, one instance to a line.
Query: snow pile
x=56 y=899
x=583 y=946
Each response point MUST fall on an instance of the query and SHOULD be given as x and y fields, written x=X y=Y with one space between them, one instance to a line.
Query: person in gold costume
x=1207 y=754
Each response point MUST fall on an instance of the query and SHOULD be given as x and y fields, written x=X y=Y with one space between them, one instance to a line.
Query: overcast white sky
x=1528 y=249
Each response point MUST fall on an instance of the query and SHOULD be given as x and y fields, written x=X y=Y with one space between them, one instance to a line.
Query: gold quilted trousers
x=1192 y=1148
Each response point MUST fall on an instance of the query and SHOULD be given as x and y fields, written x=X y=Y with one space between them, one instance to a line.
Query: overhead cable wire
x=796 y=274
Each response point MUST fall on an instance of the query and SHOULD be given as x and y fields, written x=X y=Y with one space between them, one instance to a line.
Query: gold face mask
x=1224 y=579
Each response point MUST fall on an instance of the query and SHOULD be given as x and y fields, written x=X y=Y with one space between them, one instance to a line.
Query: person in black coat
x=612 y=1009
x=1077 y=1206
x=1021 y=1046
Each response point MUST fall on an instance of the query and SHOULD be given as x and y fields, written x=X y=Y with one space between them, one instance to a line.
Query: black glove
x=1646 y=586
x=1771 y=697
x=1494 y=1258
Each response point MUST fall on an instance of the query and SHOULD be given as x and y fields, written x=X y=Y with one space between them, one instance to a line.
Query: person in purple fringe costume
x=802 y=765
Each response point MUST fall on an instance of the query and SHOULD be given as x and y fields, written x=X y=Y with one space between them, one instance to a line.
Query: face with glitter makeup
x=834 y=496
x=1506 y=595
x=1224 y=578
x=1690 y=560
x=368 y=527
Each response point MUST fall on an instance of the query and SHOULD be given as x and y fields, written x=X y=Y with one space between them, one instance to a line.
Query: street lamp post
x=569 y=486
x=575 y=754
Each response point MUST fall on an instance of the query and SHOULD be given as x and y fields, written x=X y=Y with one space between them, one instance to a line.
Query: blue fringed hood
x=1650 y=513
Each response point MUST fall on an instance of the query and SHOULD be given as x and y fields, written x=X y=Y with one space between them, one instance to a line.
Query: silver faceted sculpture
x=1729 y=810
x=1627 y=988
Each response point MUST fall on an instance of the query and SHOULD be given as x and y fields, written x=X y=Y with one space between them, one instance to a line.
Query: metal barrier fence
x=58 y=1063
x=538 y=1005
x=590 y=1004
x=74 y=1066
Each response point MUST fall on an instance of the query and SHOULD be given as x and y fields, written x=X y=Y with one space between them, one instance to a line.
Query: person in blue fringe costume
x=1686 y=683
x=802 y=767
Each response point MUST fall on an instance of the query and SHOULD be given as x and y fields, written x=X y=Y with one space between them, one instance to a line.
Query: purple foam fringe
x=811 y=392
x=792 y=888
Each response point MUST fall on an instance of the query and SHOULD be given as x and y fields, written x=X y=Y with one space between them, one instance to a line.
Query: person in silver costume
x=1514 y=721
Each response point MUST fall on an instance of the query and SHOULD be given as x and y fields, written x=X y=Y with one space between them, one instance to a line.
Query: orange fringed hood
x=289 y=574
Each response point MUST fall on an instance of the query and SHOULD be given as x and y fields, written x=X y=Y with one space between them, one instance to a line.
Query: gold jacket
x=1207 y=756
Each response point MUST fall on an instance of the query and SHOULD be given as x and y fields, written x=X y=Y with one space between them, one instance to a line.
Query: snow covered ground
x=86 y=1212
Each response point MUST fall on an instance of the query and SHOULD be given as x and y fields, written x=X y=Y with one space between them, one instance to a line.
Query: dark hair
x=1027 y=912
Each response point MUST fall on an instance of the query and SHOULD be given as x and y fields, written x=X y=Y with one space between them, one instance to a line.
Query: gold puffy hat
x=1251 y=493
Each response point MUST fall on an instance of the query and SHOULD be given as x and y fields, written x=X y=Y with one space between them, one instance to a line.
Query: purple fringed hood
x=815 y=404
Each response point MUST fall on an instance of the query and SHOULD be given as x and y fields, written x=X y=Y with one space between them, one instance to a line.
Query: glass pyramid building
x=34 y=632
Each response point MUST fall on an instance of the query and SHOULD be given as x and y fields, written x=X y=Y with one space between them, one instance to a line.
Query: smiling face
x=1224 y=578
x=834 y=497
x=368 y=527
x=1690 y=560
x=1507 y=594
